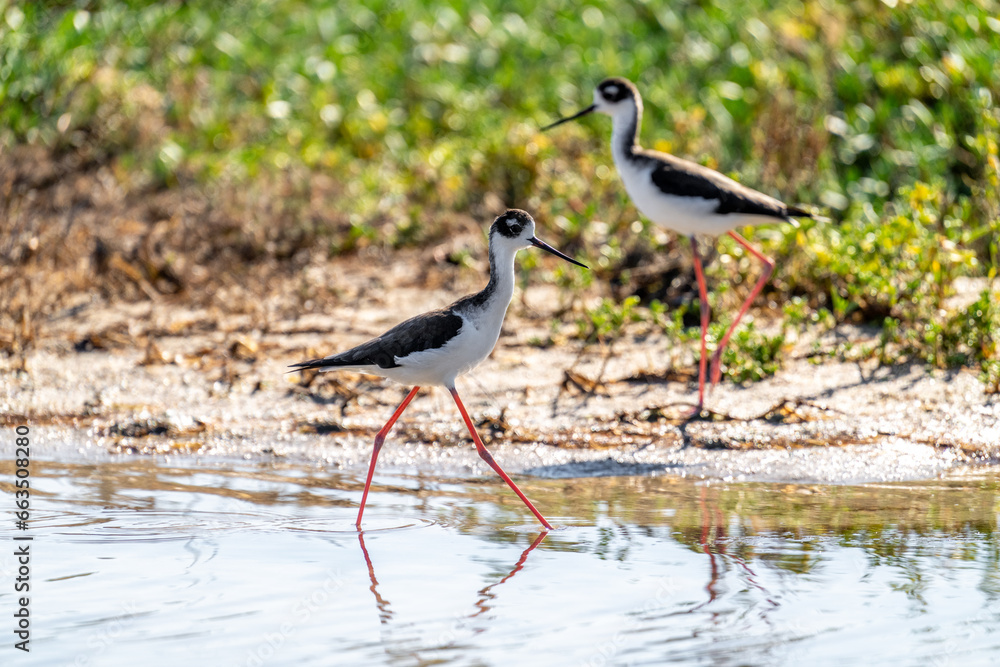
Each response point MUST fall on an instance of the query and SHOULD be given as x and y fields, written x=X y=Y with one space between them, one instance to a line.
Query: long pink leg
x=486 y=456
x=703 y=295
x=379 y=440
x=768 y=270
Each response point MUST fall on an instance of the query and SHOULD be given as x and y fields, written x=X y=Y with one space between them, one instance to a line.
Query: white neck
x=487 y=308
x=502 y=282
x=625 y=131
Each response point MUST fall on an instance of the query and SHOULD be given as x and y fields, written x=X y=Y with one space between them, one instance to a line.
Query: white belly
x=684 y=215
x=440 y=366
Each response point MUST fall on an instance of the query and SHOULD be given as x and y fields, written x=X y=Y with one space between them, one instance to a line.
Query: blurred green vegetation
x=882 y=113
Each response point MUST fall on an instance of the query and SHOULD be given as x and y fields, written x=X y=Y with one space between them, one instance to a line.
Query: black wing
x=422 y=332
x=687 y=179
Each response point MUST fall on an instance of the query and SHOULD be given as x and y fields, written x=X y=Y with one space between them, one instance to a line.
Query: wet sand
x=157 y=378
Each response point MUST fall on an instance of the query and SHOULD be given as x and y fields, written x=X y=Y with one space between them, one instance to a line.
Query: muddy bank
x=156 y=378
x=162 y=322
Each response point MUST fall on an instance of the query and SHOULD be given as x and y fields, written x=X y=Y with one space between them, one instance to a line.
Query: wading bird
x=436 y=347
x=685 y=197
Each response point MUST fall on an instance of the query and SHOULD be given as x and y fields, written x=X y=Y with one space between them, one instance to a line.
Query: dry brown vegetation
x=76 y=236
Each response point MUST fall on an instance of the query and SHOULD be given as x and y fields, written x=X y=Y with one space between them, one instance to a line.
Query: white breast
x=684 y=215
x=440 y=366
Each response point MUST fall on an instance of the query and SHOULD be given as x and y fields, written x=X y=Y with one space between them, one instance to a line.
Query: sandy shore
x=154 y=378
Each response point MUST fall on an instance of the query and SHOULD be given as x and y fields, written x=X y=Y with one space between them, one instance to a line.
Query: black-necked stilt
x=685 y=197
x=436 y=347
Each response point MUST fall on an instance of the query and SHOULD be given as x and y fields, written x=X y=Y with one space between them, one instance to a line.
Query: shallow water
x=228 y=563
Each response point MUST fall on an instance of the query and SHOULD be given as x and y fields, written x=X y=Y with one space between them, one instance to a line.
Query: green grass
x=883 y=115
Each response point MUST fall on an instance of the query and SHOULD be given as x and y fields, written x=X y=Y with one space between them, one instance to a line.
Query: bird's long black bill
x=590 y=109
x=545 y=246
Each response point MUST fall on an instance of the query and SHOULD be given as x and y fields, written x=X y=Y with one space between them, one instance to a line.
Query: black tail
x=314 y=364
x=796 y=212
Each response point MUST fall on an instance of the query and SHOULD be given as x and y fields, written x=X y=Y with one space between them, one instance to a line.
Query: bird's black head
x=513 y=230
x=611 y=97
x=512 y=223
x=615 y=89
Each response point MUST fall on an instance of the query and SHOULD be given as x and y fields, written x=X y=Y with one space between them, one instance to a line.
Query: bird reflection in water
x=714 y=540
x=485 y=595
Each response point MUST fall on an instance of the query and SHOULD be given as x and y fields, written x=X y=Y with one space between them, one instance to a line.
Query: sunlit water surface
x=152 y=563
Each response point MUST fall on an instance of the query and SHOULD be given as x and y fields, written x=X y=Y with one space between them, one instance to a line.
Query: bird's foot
x=702 y=414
